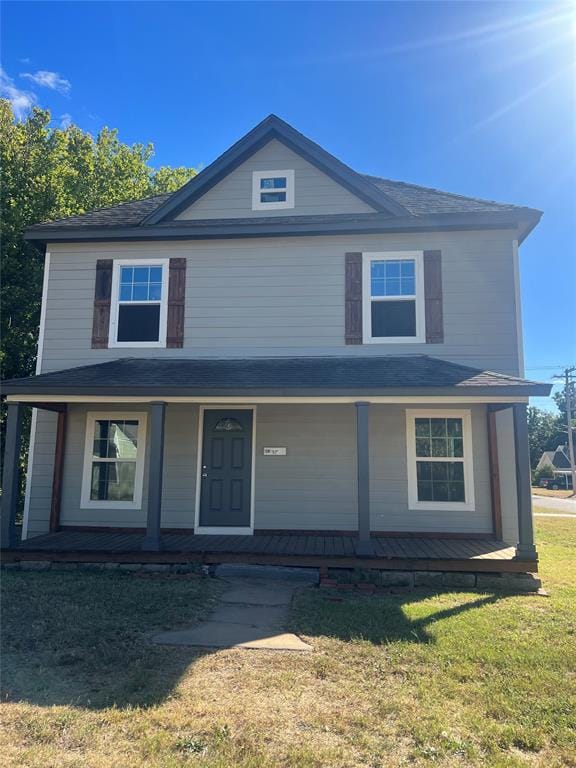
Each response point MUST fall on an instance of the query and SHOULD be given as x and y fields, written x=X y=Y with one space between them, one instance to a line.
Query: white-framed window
x=139 y=310
x=114 y=460
x=440 y=466
x=272 y=190
x=393 y=297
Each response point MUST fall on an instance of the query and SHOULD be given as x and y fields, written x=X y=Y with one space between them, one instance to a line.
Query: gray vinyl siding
x=41 y=469
x=285 y=296
x=313 y=487
x=388 y=477
x=315 y=192
x=178 y=492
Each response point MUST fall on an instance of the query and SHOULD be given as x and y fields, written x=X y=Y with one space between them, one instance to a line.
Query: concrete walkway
x=555 y=504
x=555 y=514
x=252 y=614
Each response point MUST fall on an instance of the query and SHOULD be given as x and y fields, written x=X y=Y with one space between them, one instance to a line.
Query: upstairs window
x=272 y=190
x=393 y=291
x=139 y=303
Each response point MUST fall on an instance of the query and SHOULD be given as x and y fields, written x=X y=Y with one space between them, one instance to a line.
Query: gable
x=315 y=192
x=560 y=460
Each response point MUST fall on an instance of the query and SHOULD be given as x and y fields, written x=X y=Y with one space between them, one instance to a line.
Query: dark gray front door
x=226 y=468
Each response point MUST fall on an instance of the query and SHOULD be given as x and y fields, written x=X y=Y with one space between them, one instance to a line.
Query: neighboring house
x=283 y=361
x=559 y=463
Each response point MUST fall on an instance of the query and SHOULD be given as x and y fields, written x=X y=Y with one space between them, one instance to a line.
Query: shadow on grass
x=375 y=619
x=83 y=639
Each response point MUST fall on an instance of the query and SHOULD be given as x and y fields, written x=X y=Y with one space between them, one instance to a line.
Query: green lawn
x=455 y=679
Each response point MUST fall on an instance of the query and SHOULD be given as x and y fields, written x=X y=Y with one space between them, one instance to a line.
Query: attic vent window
x=272 y=190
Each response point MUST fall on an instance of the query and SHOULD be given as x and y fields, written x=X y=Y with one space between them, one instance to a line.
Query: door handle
x=204 y=474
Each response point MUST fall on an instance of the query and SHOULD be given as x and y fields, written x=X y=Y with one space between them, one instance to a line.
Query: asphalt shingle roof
x=282 y=374
x=122 y=215
x=418 y=201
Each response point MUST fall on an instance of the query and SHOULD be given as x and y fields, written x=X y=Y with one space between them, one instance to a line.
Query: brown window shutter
x=433 y=297
x=353 y=298
x=102 y=296
x=176 y=298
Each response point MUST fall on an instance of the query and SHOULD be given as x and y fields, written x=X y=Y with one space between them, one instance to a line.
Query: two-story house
x=283 y=361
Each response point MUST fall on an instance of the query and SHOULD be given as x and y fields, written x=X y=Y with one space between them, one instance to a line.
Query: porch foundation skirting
x=365 y=581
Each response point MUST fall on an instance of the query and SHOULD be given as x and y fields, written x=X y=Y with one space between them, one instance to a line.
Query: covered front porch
x=337 y=493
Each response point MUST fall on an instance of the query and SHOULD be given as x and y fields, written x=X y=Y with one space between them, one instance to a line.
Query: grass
x=549 y=492
x=424 y=679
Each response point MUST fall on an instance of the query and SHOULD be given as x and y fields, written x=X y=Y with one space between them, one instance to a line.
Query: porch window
x=272 y=190
x=140 y=300
x=393 y=294
x=440 y=460
x=114 y=460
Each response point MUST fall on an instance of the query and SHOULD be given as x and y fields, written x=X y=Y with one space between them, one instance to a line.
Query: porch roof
x=383 y=375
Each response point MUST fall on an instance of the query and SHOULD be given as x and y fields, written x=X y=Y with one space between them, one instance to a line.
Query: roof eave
x=532 y=389
x=522 y=223
x=528 y=223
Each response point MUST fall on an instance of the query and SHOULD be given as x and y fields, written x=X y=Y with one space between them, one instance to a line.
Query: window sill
x=444 y=506
x=137 y=344
x=272 y=207
x=394 y=340
x=111 y=505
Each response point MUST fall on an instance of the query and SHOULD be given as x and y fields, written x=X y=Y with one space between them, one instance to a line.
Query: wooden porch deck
x=389 y=552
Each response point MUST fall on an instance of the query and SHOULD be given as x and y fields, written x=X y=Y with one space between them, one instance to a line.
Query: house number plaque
x=274 y=451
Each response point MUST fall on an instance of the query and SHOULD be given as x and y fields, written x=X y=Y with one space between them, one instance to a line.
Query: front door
x=226 y=469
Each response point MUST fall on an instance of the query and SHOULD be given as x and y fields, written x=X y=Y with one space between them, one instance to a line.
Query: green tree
x=49 y=173
x=545 y=433
x=547 y=471
x=560 y=400
x=46 y=174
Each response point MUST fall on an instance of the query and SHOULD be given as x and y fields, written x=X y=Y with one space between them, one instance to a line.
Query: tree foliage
x=546 y=430
x=49 y=173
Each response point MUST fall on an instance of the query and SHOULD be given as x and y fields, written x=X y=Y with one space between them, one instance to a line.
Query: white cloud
x=24 y=61
x=50 y=80
x=22 y=101
x=65 y=121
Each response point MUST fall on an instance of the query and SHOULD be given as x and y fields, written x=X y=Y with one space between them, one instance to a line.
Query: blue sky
x=470 y=97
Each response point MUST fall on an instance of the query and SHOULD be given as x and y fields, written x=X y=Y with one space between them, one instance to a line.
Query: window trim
x=257 y=205
x=115 y=302
x=431 y=413
x=91 y=417
x=367 y=299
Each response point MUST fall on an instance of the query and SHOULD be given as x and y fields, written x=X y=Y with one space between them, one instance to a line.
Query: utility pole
x=566 y=375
